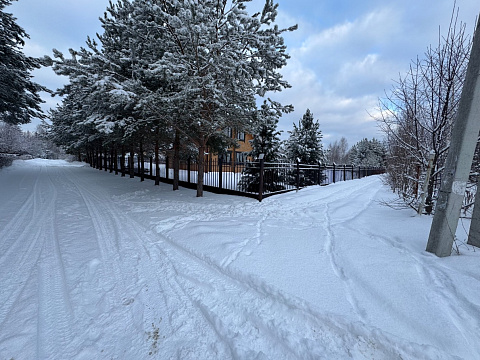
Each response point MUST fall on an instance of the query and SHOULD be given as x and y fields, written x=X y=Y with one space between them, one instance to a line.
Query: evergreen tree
x=305 y=141
x=11 y=139
x=305 y=146
x=368 y=153
x=19 y=98
x=217 y=59
x=266 y=141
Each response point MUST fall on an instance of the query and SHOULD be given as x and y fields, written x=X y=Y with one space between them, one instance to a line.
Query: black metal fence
x=253 y=179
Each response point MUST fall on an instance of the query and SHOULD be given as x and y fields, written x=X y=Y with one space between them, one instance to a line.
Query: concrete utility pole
x=459 y=159
x=474 y=233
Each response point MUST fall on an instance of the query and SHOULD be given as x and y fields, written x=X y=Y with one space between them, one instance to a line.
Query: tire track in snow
x=338 y=268
x=264 y=213
x=14 y=231
x=126 y=273
x=258 y=319
x=335 y=257
x=55 y=312
x=241 y=247
x=156 y=276
x=22 y=264
x=108 y=242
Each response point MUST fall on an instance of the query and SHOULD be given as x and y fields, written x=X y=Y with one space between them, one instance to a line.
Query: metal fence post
x=141 y=163
x=122 y=159
x=110 y=165
x=334 y=172
x=105 y=159
x=220 y=172
x=319 y=173
x=260 y=185
x=167 y=169
x=115 y=166
x=132 y=161
x=298 y=174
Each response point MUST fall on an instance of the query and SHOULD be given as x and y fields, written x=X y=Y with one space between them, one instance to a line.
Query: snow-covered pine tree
x=112 y=72
x=368 y=153
x=305 y=146
x=179 y=67
x=266 y=137
x=305 y=141
x=217 y=59
x=266 y=140
x=73 y=123
x=19 y=96
x=11 y=139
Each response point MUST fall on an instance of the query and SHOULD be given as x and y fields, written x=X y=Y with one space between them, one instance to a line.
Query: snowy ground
x=95 y=266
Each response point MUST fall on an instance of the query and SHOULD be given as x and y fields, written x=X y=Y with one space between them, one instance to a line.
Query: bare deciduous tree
x=338 y=152
x=418 y=114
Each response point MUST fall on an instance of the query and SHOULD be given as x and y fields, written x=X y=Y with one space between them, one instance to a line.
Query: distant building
x=233 y=155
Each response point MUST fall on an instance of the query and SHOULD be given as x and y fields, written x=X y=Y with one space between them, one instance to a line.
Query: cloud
x=339 y=73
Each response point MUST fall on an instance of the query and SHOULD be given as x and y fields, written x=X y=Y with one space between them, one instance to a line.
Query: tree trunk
x=122 y=165
x=142 y=163
x=176 y=160
x=111 y=159
x=132 y=162
x=115 y=156
x=105 y=158
x=431 y=188
x=157 y=164
x=201 y=169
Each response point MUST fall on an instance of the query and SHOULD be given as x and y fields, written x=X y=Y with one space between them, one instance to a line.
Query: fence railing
x=256 y=179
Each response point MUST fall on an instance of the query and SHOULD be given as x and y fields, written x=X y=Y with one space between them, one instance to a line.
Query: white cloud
x=338 y=73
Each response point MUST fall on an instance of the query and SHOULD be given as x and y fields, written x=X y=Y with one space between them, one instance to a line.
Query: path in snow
x=98 y=266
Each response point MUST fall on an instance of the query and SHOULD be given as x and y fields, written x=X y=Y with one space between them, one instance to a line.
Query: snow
x=98 y=266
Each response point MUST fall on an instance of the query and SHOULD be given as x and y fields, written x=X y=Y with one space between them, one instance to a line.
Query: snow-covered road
x=97 y=266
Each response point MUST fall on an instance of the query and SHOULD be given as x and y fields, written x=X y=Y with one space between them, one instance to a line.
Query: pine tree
x=19 y=98
x=368 y=153
x=305 y=141
x=11 y=139
x=266 y=141
x=217 y=59
x=305 y=146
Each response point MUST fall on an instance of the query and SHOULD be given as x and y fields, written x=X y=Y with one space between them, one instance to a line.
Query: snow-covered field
x=95 y=266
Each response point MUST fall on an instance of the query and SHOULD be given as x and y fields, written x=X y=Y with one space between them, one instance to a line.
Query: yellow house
x=234 y=155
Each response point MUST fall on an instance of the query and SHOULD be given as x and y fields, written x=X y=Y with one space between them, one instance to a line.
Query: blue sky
x=345 y=54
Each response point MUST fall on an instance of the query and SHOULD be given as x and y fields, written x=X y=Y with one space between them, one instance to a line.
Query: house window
x=241 y=135
x=240 y=157
x=227 y=157
x=228 y=132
